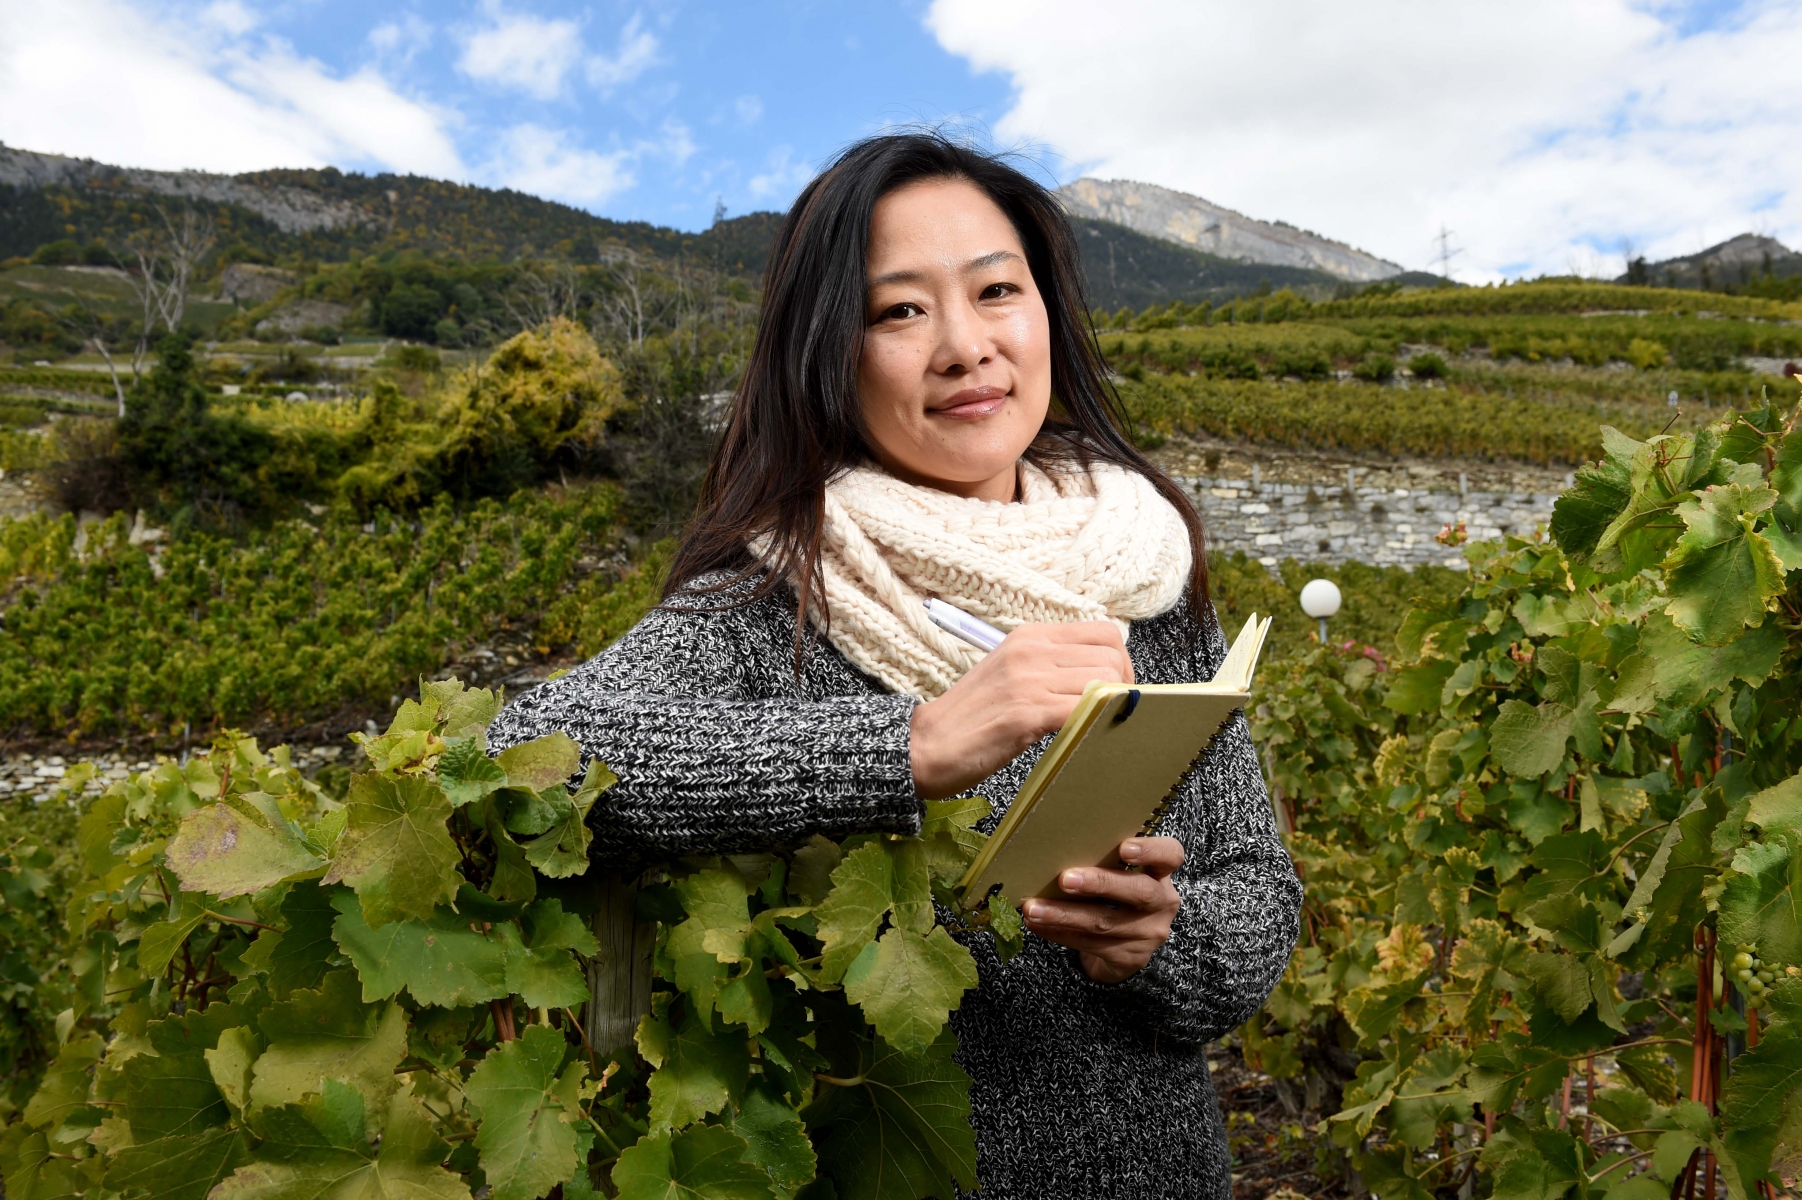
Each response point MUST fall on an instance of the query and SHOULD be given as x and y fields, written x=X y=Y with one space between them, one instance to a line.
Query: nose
x=964 y=342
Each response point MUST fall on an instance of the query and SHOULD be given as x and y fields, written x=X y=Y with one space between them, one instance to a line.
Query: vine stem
x=1623 y=1162
x=835 y=1081
x=238 y=920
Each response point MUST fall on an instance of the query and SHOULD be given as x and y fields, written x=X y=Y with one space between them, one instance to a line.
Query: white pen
x=960 y=624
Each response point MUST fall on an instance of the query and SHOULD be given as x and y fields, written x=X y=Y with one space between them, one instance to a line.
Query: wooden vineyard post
x=619 y=978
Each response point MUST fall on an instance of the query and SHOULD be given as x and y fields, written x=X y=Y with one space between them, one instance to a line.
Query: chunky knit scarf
x=1074 y=547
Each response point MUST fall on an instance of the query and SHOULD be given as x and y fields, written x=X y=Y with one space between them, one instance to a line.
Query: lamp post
x=1320 y=600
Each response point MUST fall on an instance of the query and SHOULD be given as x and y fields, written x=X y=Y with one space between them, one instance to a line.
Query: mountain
x=327 y=215
x=302 y=218
x=1191 y=221
x=1735 y=263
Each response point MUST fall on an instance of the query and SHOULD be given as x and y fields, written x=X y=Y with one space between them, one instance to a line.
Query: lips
x=971 y=404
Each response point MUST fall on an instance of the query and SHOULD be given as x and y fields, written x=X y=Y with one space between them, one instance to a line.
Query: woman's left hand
x=1115 y=919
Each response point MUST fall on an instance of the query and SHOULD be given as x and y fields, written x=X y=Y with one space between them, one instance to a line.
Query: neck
x=1001 y=488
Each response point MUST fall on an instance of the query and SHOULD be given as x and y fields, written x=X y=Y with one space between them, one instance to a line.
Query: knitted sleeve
x=715 y=749
x=1241 y=899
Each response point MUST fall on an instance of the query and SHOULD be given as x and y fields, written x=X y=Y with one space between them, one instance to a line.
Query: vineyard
x=1547 y=812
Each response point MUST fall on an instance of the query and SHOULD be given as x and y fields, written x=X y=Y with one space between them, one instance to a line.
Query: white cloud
x=636 y=53
x=545 y=162
x=678 y=143
x=1541 y=131
x=99 y=78
x=749 y=109
x=782 y=176
x=401 y=39
x=230 y=16
x=517 y=50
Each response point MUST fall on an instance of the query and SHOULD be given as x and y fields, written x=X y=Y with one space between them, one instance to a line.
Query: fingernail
x=1033 y=910
x=1130 y=851
x=1073 y=881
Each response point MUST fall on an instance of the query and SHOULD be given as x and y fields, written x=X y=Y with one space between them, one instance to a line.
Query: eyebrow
x=992 y=258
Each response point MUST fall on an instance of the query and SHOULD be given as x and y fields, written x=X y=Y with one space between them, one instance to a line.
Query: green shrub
x=1427 y=366
x=1375 y=368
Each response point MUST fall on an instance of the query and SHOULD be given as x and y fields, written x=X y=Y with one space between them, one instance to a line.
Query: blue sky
x=728 y=102
x=1550 y=136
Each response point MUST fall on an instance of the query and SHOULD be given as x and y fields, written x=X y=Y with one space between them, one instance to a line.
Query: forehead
x=938 y=222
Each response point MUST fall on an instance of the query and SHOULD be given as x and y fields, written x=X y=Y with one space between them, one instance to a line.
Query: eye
x=996 y=291
x=900 y=312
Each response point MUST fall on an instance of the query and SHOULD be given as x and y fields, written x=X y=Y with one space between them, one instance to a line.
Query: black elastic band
x=1132 y=702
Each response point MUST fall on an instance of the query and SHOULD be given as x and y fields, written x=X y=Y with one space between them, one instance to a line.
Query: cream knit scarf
x=1074 y=547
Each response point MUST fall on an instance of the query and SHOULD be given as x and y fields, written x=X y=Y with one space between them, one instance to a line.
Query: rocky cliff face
x=1191 y=221
x=1737 y=260
x=292 y=210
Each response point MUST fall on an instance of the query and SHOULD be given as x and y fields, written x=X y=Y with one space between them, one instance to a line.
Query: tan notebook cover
x=1108 y=773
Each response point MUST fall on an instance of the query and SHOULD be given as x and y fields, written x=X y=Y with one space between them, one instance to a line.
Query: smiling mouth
x=971 y=404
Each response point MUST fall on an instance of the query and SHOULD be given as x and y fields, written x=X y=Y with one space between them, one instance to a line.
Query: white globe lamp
x=1320 y=600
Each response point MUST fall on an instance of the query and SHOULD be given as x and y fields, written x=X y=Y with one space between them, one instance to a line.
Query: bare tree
x=92 y=328
x=167 y=259
x=542 y=294
x=638 y=300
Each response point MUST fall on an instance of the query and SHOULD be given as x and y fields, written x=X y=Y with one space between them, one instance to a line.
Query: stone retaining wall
x=1343 y=522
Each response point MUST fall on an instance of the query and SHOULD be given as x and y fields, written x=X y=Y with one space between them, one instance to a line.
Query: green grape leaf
x=562 y=849
x=1006 y=925
x=544 y=976
x=1761 y=904
x=776 y=1139
x=300 y=955
x=230 y=1062
x=395 y=850
x=1425 y=1099
x=65 y=1085
x=1765 y=1086
x=901 y=1127
x=161 y=940
x=442 y=961
x=466 y=712
x=1528 y=740
x=863 y=889
x=697 y=1071
x=907 y=985
x=178 y=1168
x=1686 y=673
x=704 y=1163
x=810 y=872
x=467 y=774
x=514 y=879
x=31 y=1172
x=171 y=1096
x=526 y=1139
x=541 y=763
x=1561 y=981
x=1778 y=809
x=1416 y=689
x=329 y=1033
x=1721 y=574
x=1598 y=495
x=239 y=845
x=317 y=1150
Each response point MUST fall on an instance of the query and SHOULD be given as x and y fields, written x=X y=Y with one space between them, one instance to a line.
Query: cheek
x=889 y=380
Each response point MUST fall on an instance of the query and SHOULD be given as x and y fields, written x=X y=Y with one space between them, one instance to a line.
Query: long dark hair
x=795 y=420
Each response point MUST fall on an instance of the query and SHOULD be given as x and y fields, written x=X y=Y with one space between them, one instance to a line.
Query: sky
x=1544 y=136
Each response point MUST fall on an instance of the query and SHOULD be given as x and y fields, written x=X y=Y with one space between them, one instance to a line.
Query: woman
x=925 y=413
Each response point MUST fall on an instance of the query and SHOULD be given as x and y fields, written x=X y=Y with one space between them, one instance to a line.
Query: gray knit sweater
x=1079 y=1089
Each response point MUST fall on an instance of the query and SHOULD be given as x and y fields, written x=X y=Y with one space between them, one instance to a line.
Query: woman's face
x=955 y=375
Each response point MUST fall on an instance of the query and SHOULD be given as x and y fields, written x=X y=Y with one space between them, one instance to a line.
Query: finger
x=1118 y=887
x=1101 y=924
x=1158 y=857
x=1095 y=633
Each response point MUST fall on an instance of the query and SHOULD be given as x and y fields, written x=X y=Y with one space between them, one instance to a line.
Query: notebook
x=1108 y=775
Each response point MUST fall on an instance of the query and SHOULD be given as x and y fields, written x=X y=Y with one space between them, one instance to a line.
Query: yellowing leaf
x=241 y=844
x=395 y=850
x=329 y=1033
x=541 y=763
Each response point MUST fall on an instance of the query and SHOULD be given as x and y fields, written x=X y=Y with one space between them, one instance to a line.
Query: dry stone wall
x=1346 y=522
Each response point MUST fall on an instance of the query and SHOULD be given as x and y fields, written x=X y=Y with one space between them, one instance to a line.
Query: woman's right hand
x=1022 y=690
